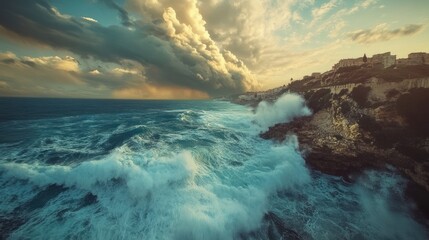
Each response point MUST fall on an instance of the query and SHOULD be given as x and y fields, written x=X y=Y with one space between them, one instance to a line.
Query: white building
x=350 y=62
x=385 y=59
x=417 y=58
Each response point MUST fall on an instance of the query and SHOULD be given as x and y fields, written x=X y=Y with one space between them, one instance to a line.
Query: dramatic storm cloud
x=195 y=48
x=124 y=14
x=38 y=77
x=55 y=76
x=172 y=52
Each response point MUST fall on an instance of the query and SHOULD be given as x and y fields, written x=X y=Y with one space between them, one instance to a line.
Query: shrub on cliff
x=368 y=123
x=345 y=107
x=319 y=99
x=392 y=93
x=360 y=95
x=403 y=72
x=413 y=107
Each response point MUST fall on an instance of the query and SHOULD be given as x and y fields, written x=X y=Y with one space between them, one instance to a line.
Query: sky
x=192 y=49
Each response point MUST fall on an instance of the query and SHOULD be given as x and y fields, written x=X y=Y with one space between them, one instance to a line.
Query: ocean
x=140 y=169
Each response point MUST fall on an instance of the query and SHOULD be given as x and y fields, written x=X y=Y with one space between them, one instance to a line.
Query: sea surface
x=124 y=169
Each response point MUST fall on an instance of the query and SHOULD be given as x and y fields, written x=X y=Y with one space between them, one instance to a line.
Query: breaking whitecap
x=197 y=173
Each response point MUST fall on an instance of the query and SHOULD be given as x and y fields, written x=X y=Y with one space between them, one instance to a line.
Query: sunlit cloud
x=383 y=33
x=66 y=64
x=124 y=71
x=89 y=19
x=94 y=72
x=39 y=76
x=174 y=47
x=324 y=9
x=368 y=3
x=149 y=91
x=217 y=47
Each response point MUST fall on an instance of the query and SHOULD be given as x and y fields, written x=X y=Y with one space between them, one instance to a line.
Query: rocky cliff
x=357 y=129
x=365 y=118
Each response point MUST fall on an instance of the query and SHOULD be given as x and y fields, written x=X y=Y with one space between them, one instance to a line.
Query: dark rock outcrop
x=351 y=132
x=364 y=118
x=360 y=130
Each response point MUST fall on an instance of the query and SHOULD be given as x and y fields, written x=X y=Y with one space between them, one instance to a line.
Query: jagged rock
x=369 y=134
x=365 y=118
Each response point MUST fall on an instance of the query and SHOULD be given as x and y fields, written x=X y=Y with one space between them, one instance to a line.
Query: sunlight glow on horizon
x=194 y=49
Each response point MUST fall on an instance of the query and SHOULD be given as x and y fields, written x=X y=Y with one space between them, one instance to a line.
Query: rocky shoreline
x=343 y=137
x=372 y=124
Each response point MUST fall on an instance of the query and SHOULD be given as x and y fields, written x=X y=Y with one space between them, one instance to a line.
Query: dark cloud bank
x=197 y=65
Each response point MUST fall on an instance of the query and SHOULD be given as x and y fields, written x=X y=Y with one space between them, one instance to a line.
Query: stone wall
x=380 y=86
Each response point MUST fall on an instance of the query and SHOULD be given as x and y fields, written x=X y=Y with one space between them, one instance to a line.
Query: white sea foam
x=212 y=182
x=384 y=206
x=284 y=109
x=179 y=194
x=189 y=201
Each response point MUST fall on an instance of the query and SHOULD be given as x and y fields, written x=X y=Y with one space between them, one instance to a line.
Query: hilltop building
x=316 y=74
x=417 y=58
x=384 y=60
x=350 y=62
x=263 y=95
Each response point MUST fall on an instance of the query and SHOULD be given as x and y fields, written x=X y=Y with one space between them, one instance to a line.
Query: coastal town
x=377 y=61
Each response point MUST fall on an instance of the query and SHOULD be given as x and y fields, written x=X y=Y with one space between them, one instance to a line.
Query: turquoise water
x=111 y=169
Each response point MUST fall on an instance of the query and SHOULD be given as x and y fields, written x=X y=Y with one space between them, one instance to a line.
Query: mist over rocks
x=364 y=127
x=286 y=108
